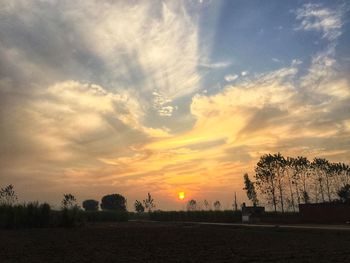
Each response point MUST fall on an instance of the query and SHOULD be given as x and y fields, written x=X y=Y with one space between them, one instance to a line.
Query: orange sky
x=135 y=98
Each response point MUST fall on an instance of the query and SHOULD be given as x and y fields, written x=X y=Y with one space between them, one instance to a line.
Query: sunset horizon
x=175 y=98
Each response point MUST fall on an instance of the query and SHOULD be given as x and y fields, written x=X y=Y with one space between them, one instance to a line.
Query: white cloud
x=216 y=65
x=315 y=17
x=231 y=77
x=244 y=73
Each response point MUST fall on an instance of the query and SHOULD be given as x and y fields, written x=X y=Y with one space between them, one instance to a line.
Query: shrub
x=115 y=202
x=90 y=205
x=139 y=208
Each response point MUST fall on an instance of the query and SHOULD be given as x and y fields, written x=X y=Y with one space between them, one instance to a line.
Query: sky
x=129 y=97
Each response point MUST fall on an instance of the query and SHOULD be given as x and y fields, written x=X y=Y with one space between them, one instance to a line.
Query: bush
x=115 y=202
x=90 y=205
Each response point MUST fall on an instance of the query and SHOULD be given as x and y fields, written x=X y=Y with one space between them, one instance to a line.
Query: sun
x=181 y=195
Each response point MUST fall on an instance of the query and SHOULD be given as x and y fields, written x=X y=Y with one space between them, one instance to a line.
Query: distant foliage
x=217 y=205
x=115 y=202
x=25 y=215
x=8 y=195
x=149 y=203
x=344 y=193
x=139 y=208
x=90 y=205
x=69 y=201
x=192 y=205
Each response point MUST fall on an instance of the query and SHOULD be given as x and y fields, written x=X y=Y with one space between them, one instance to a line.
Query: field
x=172 y=242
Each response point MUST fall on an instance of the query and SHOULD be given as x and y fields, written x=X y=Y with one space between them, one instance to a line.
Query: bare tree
x=8 y=195
x=149 y=203
x=69 y=201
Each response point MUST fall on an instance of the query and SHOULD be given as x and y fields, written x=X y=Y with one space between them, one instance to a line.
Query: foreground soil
x=171 y=242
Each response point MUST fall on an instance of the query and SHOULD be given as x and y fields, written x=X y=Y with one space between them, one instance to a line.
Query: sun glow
x=181 y=195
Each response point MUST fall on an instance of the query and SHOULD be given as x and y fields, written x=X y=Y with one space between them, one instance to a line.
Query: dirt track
x=167 y=242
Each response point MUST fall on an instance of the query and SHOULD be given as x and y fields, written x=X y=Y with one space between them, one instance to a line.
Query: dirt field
x=169 y=242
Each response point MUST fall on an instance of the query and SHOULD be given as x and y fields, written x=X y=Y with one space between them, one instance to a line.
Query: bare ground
x=173 y=242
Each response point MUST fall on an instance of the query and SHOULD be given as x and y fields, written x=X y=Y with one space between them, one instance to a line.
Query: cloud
x=315 y=17
x=117 y=45
x=217 y=65
x=105 y=96
x=231 y=77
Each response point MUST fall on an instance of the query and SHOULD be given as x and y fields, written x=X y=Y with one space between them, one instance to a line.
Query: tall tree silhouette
x=249 y=187
x=149 y=203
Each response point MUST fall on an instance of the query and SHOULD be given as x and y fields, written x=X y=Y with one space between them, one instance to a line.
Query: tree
x=149 y=203
x=279 y=166
x=321 y=171
x=8 y=195
x=90 y=205
x=139 y=208
x=265 y=178
x=301 y=167
x=290 y=177
x=206 y=204
x=250 y=190
x=344 y=193
x=217 y=205
x=69 y=201
x=192 y=205
x=115 y=202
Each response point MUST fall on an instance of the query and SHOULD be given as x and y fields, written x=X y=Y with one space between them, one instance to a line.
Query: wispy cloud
x=216 y=65
x=316 y=17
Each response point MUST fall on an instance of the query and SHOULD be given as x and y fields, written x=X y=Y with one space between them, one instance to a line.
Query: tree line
x=286 y=182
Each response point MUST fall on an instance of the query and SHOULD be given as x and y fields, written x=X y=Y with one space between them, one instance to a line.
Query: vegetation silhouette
x=139 y=208
x=192 y=205
x=8 y=195
x=217 y=205
x=249 y=187
x=114 y=202
x=90 y=205
x=149 y=203
x=287 y=182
